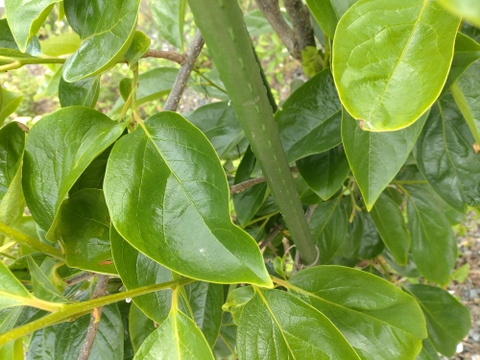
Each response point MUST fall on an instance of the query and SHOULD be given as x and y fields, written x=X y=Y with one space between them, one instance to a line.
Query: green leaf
x=328 y=13
x=461 y=274
x=256 y=23
x=378 y=319
x=106 y=30
x=277 y=325
x=10 y=102
x=139 y=326
x=309 y=121
x=389 y=221
x=467 y=51
x=446 y=157
x=168 y=197
x=169 y=19
x=448 y=321
x=383 y=78
x=219 y=123
x=236 y=301
x=371 y=244
x=432 y=236
x=12 y=350
x=83 y=92
x=12 y=144
x=59 y=148
x=12 y=292
x=137 y=270
x=467 y=97
x=206 y=302
x=64 y=341
x=139 y=46
x=26 y=17
x=84 y=225
x=12 y=206
x=428 y=351
x=61 y=44
x=153 y=85
x=92 y=177
x=375 y=158
x=176 y=338
x=43 y=288
x=248 y=202
x=325 y=173
x=329 y=228
x=468 y=9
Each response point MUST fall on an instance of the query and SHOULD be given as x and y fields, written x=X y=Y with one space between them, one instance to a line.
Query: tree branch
x=192 y=53
x=169 y=55
x=240 y=187
x=271 y=10
x=300 y=18
x=100 y=290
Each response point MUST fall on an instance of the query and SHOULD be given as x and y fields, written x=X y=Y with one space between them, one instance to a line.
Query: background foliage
x=270 y=217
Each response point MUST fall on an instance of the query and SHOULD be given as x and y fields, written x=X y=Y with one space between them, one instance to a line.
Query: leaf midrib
x=400 y=58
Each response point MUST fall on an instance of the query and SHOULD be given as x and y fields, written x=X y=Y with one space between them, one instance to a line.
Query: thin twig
x=300 y=17
x=240 y=187
x=309 y=212
x=273 y=234
x=100 y=290
x=192 y=53
x=75 y=279
x=169 y=55
x=271 y=10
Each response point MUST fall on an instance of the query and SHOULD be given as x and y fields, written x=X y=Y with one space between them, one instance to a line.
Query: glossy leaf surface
x=375 y=158
x=64 y=341
x=168 y=196
x=467 y=97
x=446 y=157
x=10 y=102
x=12 y=292
x=206 y=302
x=106 y=29
x=328 y=13
x=325 y=173
x=59 y=148
x=84 y=225
x=248 y=202
x=378 y=62
x=309 y=121
x=83 y=92
x=61 y=44
x=169 y=19
x=277 y=325
x=388 y=219
x=467 y=51
x=377 y=318
x=137 y=270
x=139 y=326
x=468 y=9
x=176 y=338
x=329 y=227
x=448 y=321
x=43 y=288
x=139 y=46
x=432 y=237
x=12 y=144
x=219 y=123
x=26 y=17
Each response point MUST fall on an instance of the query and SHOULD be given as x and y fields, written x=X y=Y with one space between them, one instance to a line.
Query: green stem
x=67 y=312
x=18 y=63
x=232 y=53
x=210 y=82
x=30 y=241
